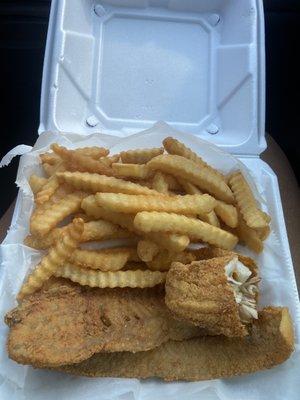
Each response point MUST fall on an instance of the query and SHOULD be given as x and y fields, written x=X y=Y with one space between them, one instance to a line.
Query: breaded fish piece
x=270 y=343
x=218 y=294
x=66 y=323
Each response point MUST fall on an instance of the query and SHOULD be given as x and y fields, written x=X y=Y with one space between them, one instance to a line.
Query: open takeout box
x=116 y=67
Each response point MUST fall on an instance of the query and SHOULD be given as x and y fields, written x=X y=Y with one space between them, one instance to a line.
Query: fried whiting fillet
x=271 y=342
x=219 y=294
x=66 y=323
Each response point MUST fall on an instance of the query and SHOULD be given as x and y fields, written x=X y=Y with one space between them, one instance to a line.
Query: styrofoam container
x=116 y=67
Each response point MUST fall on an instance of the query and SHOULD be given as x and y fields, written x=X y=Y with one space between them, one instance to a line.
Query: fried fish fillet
x=65 y=323
x=219 y=294
x=270 y=343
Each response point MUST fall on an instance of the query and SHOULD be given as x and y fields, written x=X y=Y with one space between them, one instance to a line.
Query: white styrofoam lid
x=119 y=66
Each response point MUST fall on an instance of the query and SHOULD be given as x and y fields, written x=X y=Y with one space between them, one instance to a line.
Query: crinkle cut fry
x=81 y=162
x=105 y=260
x=57 y=255
x=249 y=236
x=94 y=152
x=101 y=183
x=50 y=158
x=140 y=156
x=126 y=203
x=147 y=250
x=93 y=230
x=134 y=171
x=188 y=187
x=42 y=223
x=194 y=228
x=36 y=183
x=160 y=184
x=47 y=190
x=133 y=279
x=175 y=147
x=227 y=213
x=200 y=176
x=53 y=169
x=271 y=342
x=246 y=201
x=170 y=241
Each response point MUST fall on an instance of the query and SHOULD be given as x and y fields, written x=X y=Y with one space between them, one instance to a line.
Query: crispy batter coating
x=66 y=323
x=205 y=253
x=271 y=342
x=200 y=293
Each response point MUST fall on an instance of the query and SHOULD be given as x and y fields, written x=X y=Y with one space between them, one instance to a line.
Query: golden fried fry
x=263 y=233
x=135 y=171
x=59 y=253
x=101 y=183
x=147 y=250
x=196 y=229
x=44 y=242
x=227 y=213
x=137 y=278
x=170 y=241
x=173 y=183
x=249 y=236
x=50 y=158
x=103 y=230
x=201 y=176
x=164 y=259
x=81 y=162
x=91 y=207
x=246 y=201
x=127 y=203
x=61 y=192
x=265 y=216
x=110 y=159
x=36 y=183
x=93 y=152
x=47 y=190
x=140 y=156
x=211 y=218
x=42 y=222
x=105 y=260
x=173 y=146
x=188 y=187
x=52 y=169
x=93 y=230
x=160 y=184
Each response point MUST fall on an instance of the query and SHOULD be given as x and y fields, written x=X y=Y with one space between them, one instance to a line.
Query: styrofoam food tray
x=121 y=65
x=118 y=66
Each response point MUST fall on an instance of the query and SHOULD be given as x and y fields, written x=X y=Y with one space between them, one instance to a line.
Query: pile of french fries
x=163 y=198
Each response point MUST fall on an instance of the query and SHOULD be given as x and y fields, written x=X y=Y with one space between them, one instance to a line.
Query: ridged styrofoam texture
x=118 y=66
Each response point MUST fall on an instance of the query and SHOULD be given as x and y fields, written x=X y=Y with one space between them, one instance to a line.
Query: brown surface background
x=290 y=196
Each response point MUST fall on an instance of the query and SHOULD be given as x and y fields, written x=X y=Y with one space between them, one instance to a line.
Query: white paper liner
x=278 y=286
